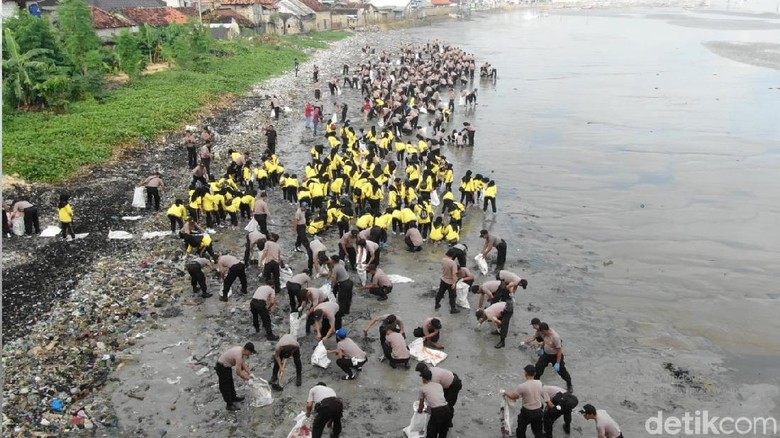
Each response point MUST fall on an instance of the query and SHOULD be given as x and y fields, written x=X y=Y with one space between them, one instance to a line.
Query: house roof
x=189 y=11
x=154 y=16
x=350 y=6
x=112 y=5
x=315 y=5
x=103 y=20
x=266 y=3
x=226 y=16
x=395 y=5
x=441 y=2
x=295 y=8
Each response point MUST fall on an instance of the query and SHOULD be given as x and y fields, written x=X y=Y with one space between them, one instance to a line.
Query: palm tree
x=19 y=68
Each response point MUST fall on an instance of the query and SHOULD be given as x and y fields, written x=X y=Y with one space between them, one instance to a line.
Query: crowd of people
x=387 y=179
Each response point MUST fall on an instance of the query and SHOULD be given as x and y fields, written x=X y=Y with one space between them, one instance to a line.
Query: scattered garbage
x=424 y=354
x=119 y=235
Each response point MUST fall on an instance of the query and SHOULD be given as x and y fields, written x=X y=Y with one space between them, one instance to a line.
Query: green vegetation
x=59 y=115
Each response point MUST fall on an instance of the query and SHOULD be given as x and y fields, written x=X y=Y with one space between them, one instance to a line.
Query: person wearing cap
x=533 y=399
x=272 y=260
x=448 y=380
x=458 y=252
x=511 y=280
x=328 y=409
x=299 y=228
x=326 y=319
x=254 y=239
x=494 y=241
x=349 y=354
x=286 y=347
x=441 y=413
x=296 y=286
x=262 y=212
x=380 y=283
x=29 y=213
x=263 y=300
x=197 y=277
x=230 y=268
x=536 y=339
x=561 y=404
x=342 y=287
x=233 y=357
x=552 y=353
x=347 y=249
x=447 y=281
x=606 y=427
x=153 y=185
x=388 y=321
x=499 y=314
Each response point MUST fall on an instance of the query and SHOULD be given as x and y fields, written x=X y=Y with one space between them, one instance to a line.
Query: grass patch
x=48 y=147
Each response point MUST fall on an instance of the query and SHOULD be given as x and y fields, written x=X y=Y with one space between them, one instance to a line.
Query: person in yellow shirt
x=195 y=205
x=449 y=177
x=437 y=230
x=490 y=195
x=366 y=220
x=455 y=211
x=177 y=214
x=66 y=217
x=200 y=244
x=247 y=204
x=400 y=150
x=231 y=208
x=424 y=212
x=211 y=209
x=317 y=225
x=384 y=222
x=452 y=232
x=261 y=176
x=408 y=216
x=480 y=183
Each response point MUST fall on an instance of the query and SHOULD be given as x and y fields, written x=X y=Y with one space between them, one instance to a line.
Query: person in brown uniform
x=449 y=277
x=272 y=260
x=399 y=351
x=325 y=319
x=499 y=315
x=233 y=357
x=296 y=288
x=552 y=353
x=350 y=356
x=448 y=380
x=153 y=185
x=262 y=213
x=263 y=300
x=253 y=239
x=533 y=397
x=430 y=332
x=380 y=283
x=197 y=277
x=440 y=419
x=299 y=229
x=231 y=268
x=286 y=347
x=388 y=321
x=29 y=213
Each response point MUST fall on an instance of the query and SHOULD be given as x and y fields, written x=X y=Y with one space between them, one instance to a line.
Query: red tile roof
x=441 y=2
x=189 y=11
x=154 y=16
x=224 y=16
x=103 y=20
x=315 y=5
x=271 y=4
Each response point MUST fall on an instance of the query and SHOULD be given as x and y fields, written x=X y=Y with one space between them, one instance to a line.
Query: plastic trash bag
x=51 y=231
x=121 y=235
x=17 y=226
x=399 y=279
x=461 y=101
x=508 y=415
x=261 y=393
x=339 y=91
x=435 y=201
x=419 y=423
x=155 y=234
x=334 y=118
x=297 y=324
x=328 y=289
x=320 y=356
x=481 y=263
x=252 y=226
x=139 y=197
x=302 y=428
x=462 y=295
x=361 y=270
x=285 y=275
x=425 y=354
x=324 y=271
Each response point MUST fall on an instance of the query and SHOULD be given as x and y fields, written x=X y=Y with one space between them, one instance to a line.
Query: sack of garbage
x=324 y=271
x=328 y=289
x=302 y=428
x=481 y=263
x=261 y=393
x=424 y=354
x=320 y=356
x=461 y=101
x=417 y=427
x=17 y=226
x=297 y=324
x=435 y=201
x=462 y=295
x=252 y=226
x=285 y=275
x=508 y=415
x=139 y=197
x=361 y=270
